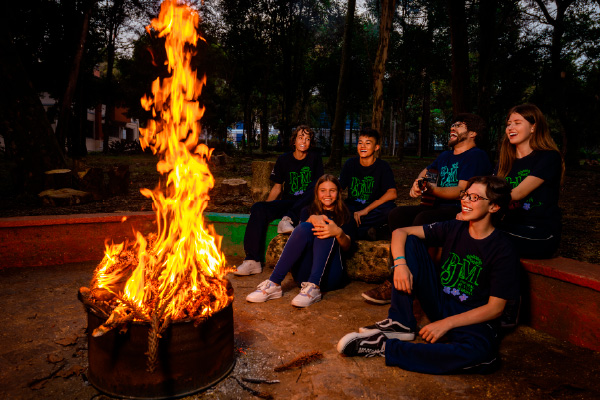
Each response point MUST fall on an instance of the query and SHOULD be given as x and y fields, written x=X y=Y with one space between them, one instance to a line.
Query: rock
x=233 y=187
x=261 y=184
x=369 y=262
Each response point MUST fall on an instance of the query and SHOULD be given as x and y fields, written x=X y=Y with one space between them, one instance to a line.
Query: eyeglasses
x=457 y=125
x=471 y=196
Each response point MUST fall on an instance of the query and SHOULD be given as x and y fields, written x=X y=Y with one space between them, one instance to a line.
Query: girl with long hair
x=313 y=253
x=532 y=164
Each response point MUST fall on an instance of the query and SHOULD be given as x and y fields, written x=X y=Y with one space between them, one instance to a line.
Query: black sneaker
x=362 y=344
x=391 y=329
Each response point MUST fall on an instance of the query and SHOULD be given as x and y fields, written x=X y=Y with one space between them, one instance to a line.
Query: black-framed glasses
x=457 y=125
x=471 y=196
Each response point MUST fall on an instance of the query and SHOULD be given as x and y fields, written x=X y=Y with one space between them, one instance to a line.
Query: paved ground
x=43 y=351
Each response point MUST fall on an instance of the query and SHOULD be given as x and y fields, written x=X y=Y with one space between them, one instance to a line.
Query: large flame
x=179 y=272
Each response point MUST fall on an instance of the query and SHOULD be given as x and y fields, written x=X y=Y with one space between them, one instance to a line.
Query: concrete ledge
x=62 y=239
x=563 y=300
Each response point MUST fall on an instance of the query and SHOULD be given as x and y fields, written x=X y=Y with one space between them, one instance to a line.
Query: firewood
x=300 y=361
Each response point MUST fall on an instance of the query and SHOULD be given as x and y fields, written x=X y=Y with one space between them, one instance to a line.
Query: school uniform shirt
x=459 y=167
x=471 y=269
x=366 y=184
x=540 y=208
x=297 y=176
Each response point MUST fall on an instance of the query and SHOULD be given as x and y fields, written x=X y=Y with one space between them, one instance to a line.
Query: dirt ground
x=579 y=198
x=44 y=349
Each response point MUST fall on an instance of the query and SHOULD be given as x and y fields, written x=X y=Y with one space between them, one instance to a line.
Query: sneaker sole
x=285 y=232
x=306 y=305
x=376 y=301
x=404 y=336
x=341 y=345
x=271 y=296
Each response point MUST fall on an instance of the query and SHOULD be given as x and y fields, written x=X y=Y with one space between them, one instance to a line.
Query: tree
x=388 y=8
x=460 y=56
x=339 y=122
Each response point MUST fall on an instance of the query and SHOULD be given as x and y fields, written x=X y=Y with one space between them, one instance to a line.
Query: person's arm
x=390 y=194
x=275 y=192
x=415 y=190
x=328 y=228
x=403 y=278
x=492 y=310
x=526 y=186
x=447 y=193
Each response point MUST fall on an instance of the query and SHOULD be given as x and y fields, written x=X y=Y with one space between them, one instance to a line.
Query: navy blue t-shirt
x=540 y=208
x=365 y=184
x=297 y=176
x=472 y=270
x=459 y=167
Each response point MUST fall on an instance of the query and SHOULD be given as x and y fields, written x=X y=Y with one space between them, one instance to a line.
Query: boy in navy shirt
x=371 y=186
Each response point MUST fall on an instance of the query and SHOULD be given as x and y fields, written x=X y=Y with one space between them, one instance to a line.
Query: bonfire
x=177 y=273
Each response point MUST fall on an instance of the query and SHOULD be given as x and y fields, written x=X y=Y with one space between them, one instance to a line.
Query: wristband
x=399 y=258
x=396 y=265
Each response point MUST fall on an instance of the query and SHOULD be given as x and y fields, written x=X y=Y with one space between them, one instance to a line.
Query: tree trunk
x=109 y=114
x=460 y=56
x=388 y=8
x=264 y=123
x=425 y=134
x=402 y=123
x=338 y=130
x=62 y=127
x=27 y=133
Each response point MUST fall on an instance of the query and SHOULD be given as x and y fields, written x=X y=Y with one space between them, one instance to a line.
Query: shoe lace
x=264 y=285
x=306 y=286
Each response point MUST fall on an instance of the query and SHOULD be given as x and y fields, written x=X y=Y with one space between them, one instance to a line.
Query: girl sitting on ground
x=313 y=253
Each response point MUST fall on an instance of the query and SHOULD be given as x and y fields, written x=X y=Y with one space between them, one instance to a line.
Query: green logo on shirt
x=362 y=189
x=449 y=176
x=514 y=182
x=460 y=276
x=299 y=181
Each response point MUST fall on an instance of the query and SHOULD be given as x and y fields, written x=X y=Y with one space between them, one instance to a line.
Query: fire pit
x=160 y=319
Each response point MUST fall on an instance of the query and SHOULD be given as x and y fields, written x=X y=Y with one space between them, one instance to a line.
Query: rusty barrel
x=190 y=359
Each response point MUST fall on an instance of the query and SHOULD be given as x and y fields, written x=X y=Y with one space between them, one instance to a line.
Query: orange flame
x=180 y=270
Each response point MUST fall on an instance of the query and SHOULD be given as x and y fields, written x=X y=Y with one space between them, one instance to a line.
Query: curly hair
x=299 y=129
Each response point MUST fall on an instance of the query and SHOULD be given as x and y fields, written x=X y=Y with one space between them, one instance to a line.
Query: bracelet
x=399 y=258
x=396 y=265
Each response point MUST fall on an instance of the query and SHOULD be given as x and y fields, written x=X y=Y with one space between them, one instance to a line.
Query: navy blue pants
x=310 y=259
x=376 y=218
x=471 y=348
x=261 y=214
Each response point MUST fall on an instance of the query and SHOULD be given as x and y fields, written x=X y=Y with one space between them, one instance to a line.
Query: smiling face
x=366 y=147
x=476 y=210
x=518 y=129
x=458 y=133
x=302 y=143
x=327 y=194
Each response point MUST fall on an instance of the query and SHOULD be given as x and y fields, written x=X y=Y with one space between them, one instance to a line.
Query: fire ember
x=166 y=283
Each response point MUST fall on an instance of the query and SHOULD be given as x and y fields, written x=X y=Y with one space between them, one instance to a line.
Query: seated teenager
x=294 y=176
x=532 y=165
x=463 y=299
x=371 y=187
x=313 y=253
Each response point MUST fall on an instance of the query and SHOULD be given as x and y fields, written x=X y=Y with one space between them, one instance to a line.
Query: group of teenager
x=457 y=253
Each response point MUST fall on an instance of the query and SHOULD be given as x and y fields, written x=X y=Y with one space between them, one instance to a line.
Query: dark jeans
x=261 y=214
x=310 y=259
x=532 y=242
x=376 y=218
x=472 y=348
x=403 y=216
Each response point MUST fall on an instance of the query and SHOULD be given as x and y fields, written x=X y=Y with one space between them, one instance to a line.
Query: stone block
x=369 y=262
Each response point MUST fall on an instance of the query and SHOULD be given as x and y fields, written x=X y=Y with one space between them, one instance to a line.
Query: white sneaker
x=248 y=267
x=308 y=295
x=285 y=225
x=267 y=290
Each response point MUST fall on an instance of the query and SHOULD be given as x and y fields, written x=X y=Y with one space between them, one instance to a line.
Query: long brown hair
x=540 y=138
x=341 y=214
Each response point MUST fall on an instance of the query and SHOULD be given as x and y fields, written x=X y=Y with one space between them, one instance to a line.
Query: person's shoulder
x=546 y=154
